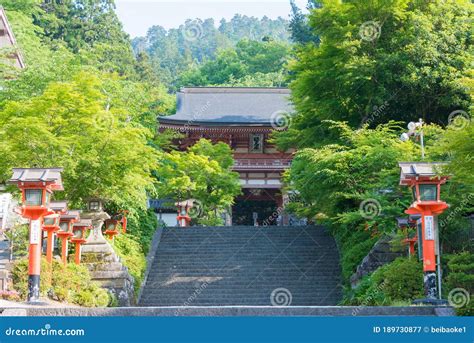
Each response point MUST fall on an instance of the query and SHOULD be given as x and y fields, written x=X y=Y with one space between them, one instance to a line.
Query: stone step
x=243 y=265
x=112 y=266
x=109 y=274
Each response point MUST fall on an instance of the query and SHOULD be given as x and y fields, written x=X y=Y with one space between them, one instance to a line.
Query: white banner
x=35 y=231
x=429 y=228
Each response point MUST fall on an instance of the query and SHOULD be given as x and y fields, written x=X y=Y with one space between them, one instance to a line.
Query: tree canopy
x=250 y=60
x=379 y=61
x=202 y=173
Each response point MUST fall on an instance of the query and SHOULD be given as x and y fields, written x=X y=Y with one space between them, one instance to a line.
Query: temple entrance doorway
x=257 y=206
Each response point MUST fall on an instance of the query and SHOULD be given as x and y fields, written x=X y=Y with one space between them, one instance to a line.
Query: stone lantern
x=425 y=184
x=36 y=185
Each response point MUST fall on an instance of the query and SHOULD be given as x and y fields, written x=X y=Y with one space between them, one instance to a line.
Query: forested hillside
x=197 y=42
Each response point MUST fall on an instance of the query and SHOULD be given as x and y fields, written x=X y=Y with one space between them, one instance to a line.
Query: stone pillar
x=104 y=264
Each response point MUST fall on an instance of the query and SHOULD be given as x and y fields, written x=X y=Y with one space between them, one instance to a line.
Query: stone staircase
x=242 y=265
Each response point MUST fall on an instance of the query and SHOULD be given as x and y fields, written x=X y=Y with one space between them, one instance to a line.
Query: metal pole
x=438 y=258
x=421 y=140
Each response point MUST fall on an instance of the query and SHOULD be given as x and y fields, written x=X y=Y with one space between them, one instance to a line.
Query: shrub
x=71 y=283
x=10 y=295
x=404 y=279
x=354 y=251
x=132 y=256
x=398 y=282
x=20 y=277
x=19 y=239
x=460 y=274
x=141 y=227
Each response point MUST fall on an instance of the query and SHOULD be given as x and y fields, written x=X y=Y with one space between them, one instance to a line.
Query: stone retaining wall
x=382 y=253
x=230 y=311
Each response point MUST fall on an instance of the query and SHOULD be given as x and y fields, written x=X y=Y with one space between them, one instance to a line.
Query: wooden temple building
x=244 y=119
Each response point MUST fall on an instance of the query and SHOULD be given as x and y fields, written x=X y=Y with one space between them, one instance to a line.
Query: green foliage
x=181 y=51
x=90 y=27
x=141 y=227
x=398 y=281
x=336 y=178
x=460 y=274
x=458 y=144
x=299 y=27
x=19 y=274
x=66 y=284
x=412 y=69
x=132 y=256
x=240 y=65
x=19 y=239
x=352 y=254
x=202 y=173
x=74 y=125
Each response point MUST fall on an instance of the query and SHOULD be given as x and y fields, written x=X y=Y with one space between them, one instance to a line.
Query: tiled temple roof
x=216 y=106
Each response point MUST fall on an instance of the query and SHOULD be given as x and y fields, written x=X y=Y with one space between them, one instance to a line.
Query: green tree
x=76 y=126
x=299 y=27
x=202 y=173
x=182 y=50
x=252 y=63
x=381 y=60
x=90 y=26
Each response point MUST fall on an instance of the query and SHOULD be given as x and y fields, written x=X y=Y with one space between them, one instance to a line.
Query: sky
x=138 y=16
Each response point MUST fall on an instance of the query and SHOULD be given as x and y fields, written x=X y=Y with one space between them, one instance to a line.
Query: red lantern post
x=426 y=188
x=51 y=225
x=405 y=224
x=66 y=231
x=79 y=236
x=124 y=221
x=183 y=212
x=37 y=186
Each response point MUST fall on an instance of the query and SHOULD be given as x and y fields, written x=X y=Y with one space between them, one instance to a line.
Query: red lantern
x=111 y=227
x=183 y=212
x=66 y=231
x=37 y=186
x=50 y=225
x=426 y=184
x=79 y=236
